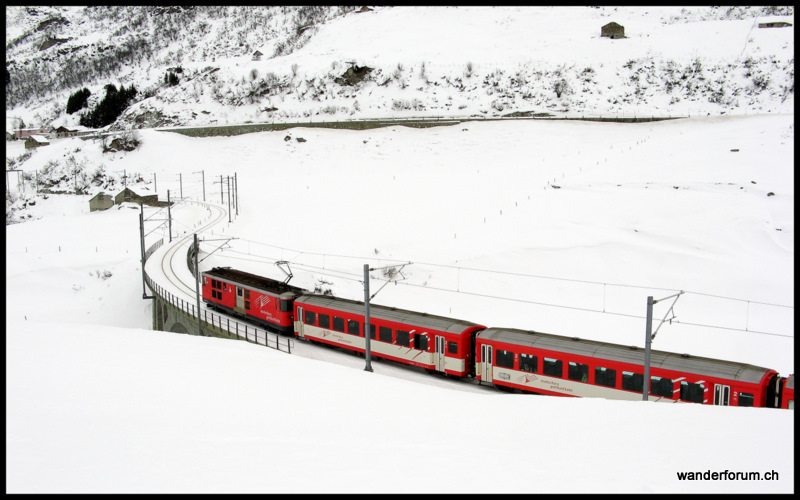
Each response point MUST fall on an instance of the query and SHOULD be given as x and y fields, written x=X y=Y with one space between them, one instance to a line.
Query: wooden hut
x=612 y=30
x=101 y=201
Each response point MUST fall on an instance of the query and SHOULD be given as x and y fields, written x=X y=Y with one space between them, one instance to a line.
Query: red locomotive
x=509 y=359
x=266 y=301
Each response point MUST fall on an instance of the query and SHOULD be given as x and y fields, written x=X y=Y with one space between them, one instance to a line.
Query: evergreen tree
x=78 y=100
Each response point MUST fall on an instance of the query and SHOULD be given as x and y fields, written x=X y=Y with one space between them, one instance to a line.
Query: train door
x=440 y=353
x=722 y=394
x=486 y=363
x=298 y=322
x=239 y=300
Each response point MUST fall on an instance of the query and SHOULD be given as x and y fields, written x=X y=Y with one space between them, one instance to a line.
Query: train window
x=578 y=371
x=632 y=381
x=403 y=338
x=553 y=367
x=746 y=399
x=420 y=342
x=504 y=359
x=324 y=321
x=661 y=387
x=385 y=334
x=247 y=305
x=372 y=331
x=605 y=376
x=528 y=363
x=247 y=294
x=452 y=347
x=285 y=305
x=239 y=291
x=692 y=392
x=310 y=317
x=338 y=324
x=353 y=327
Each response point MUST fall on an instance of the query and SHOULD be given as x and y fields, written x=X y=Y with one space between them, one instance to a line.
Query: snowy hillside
x=411 y=61
x=559 y=226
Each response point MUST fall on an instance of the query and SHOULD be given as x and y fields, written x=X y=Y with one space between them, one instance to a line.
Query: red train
x=262 y=300
x=507 y=358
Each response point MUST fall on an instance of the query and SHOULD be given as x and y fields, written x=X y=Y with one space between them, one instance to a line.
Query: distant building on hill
x=101 y=201
x=34 y=141
x=257 y=55
x=612 y=30
x=128 y=195
x=774 y=24
x=22 y=133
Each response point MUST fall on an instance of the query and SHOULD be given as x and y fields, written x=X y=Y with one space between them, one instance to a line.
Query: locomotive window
x=338 y=324
x=353 y=327
x=285 y=305
x=403 y=338
x=528 y=363
x=661 y=387
x=553 y=367
x=605 y=376
x=247 y=304
x=632 y=381
x=578 y=371
x=452 y=347
x=504 y=359
x=385 y=334
x=746 y=399
x=420 y=342
x=311 y=317
x=692 y=392
x=247 y=294
x=239 y=291
x=324 y=321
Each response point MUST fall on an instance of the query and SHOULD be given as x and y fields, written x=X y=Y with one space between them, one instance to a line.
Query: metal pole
x=221 y=191
x=125 y=178
x=229 y=198
x=647 y=339
x=155 y=182
x=169 y=217
x=236 y=191
x=197 y=284
x=180 y=179
x=204 y=184
x=368 y=355
x=141 y=237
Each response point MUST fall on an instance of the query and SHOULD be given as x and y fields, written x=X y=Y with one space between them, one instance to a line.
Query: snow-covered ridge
x=422 y=61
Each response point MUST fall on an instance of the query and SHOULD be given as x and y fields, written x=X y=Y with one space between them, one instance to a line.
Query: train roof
x=252 y=280
x=729 y=370
x=418 y=319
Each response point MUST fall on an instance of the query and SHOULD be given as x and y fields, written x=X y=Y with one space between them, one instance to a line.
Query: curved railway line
x=168 y=259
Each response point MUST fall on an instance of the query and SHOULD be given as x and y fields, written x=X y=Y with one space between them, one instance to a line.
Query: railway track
x=173 y=261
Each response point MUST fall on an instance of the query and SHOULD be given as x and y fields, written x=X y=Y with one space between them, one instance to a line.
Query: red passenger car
x=563 y=366
x=787 y=392
x=265 y=301
x=432 y=342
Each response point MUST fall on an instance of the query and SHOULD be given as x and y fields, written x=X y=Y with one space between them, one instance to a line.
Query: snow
x=565 y=227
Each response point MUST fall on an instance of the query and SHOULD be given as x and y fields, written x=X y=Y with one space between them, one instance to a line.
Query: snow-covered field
x=101 y=403
x=564 y=227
